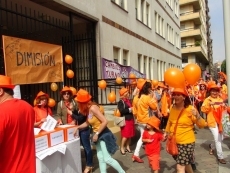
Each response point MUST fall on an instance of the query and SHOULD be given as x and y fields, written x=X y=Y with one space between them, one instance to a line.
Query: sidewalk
x=205 y=163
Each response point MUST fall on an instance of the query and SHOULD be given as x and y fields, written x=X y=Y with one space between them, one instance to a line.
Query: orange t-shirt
x=41 y=113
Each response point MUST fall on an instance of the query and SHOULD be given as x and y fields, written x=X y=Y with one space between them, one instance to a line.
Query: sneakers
x=137 y=159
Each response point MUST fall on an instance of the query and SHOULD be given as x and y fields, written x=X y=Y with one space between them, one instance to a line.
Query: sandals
x=210 y=149
x=129 y=151
x=123 y=154
x=222 y=161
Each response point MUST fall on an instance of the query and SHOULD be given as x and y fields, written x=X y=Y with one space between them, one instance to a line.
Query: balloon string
x=189 y=97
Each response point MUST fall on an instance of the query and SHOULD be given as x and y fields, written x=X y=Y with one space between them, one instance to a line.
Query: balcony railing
x=189 y=12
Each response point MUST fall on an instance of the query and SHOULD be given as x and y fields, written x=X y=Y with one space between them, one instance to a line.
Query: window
x=116 y=54
x=143 y=12
x=150 y=68
x=139 y=62
x=183 y=43
x=170 y=33
x=176 y=9
x=145 y=65
x=177 y=40
x=148 y=20
x=126 y=57
x=159 y=25
x=121 y=3
x=184 y=59
x=182 y=27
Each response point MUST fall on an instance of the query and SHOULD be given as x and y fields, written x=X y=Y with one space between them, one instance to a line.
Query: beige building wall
x=194 y=33
x=144 y=34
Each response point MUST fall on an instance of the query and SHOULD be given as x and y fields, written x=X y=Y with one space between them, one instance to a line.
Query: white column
x=226 y=10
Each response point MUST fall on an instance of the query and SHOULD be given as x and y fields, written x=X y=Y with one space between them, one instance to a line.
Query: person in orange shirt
x=145 y=102
x=187 y=116
x=165 y=105
x=201 y=96
x=41 y=108
x=102 y=137
x=152 y=138
x=213 y=107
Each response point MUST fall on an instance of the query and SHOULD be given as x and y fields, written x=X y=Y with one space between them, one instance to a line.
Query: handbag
x=119 y=121
x=171 y=145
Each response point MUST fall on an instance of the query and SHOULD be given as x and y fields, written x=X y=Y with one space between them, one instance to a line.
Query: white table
x=60 y=163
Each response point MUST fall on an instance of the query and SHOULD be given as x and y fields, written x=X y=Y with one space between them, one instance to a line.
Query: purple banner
x=112 y=70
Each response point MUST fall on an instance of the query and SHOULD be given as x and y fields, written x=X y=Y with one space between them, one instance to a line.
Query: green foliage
x=223 y=66
x=197 y=43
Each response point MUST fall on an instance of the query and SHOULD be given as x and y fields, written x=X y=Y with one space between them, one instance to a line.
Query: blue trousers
x=85 y=141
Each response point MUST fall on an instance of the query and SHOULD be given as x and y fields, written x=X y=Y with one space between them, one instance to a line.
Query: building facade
x=144 y=34
x=196 y=43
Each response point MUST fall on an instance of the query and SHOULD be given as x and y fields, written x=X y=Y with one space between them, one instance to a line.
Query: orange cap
x=123 y=90
x=66 y=89
x=213 y=86
x=5 y=82
x=140 y=83
x=83 y=96
x=41 y=93
x=180 y=90
x=154 y=122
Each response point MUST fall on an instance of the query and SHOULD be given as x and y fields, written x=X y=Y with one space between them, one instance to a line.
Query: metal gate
x=19 y=20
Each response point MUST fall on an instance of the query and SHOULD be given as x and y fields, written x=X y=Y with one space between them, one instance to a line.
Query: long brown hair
x=84 y=107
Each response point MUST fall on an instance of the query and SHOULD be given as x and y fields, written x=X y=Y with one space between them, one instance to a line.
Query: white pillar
x=226 y=10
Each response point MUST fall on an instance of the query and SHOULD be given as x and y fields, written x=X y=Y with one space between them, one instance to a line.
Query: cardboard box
x=56 y=137
x=68 y=132
x=110 y=124
x=41 y=141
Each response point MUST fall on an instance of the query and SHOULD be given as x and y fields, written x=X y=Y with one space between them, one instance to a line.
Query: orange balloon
x=112 y=97
x=102 y=84
x=68 y=59
x=174 y=78
x=74 y=91
x=117 y=113
x=53 y=86
x=132 y=76
x=70 y=73
x=154 y=83
x=192 y=73
x=51 y=102
x=119 y=80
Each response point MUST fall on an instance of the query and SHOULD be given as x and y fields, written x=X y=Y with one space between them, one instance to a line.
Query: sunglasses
x=66 y=93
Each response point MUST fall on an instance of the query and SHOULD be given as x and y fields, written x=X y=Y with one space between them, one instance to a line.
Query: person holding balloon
x=41 y=108
x=67 y=102
x=213 y=106
x=183 y=112
x=102 y=137
x=144 y=102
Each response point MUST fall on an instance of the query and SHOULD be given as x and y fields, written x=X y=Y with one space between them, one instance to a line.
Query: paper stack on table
x=44 y=153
